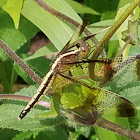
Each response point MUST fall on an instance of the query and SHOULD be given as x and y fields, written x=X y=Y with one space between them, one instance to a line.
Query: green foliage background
x=21 y=22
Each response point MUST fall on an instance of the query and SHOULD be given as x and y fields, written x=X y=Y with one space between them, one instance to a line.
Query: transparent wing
x=114 y=71
x=130 y=66
x=111 y=104
x=78 y=93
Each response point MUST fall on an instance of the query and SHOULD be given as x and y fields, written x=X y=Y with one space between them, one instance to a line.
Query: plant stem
x=120 y=52
x=110 y=33
x=117 y=129
x=21 y=63
x=65 y=18
x=114 y=28
x=24 y=98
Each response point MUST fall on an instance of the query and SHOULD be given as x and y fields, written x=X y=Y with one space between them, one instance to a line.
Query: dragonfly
x=97 y=99
x=65 y=56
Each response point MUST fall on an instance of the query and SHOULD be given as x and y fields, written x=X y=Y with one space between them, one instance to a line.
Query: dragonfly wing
x=110 y=104
x=102 y=101
x=127 y=68
x=114 y=71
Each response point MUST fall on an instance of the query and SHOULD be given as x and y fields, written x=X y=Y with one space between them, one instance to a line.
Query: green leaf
x=131 y=33
x=131 y=92
x=50 y=133
x=123 y=3
x=26 y=135
x=27 y=28
x=112 y=48
x=124 y=27
x=12 y=37
x=72 y=96
x=101 y=6
x=10 y=111
x=108 y=15
x=53 y=133
x=55 y=29
x=4 y=134
x=23 y=74
x=82 y=9
x=101 y=25
x=42 y=52
x=134 y=50
x=40 y=68
x=7 y=75
x=13 y=7
x=84 y=131
x=104 y=134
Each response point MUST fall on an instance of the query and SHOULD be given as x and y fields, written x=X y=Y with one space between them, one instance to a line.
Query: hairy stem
x=20 y=62
x=117 y=129
x=24 y=98
x=65 y=18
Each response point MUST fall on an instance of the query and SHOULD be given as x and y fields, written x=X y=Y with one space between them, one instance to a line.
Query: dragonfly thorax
x=84 y=48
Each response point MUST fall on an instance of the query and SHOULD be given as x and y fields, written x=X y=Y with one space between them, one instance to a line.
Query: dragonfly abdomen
x=43 y=88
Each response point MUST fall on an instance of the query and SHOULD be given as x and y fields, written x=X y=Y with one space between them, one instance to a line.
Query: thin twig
x=57 y=13
x=120 y=52
x=96 y=26
x=25 y=99
x=65 y=18
x=114 y=28
x=117 y=129
x=21 y=63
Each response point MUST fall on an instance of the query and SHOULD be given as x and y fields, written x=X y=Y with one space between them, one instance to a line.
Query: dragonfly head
x=84 y=48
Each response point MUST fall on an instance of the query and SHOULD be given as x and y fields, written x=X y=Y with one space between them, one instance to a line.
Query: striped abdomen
x=43 y=89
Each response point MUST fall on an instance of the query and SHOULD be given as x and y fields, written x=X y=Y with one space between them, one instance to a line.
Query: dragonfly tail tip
x=19 y=118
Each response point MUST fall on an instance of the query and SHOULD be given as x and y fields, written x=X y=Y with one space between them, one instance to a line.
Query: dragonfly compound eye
x=84 y=50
